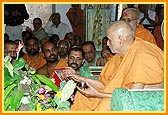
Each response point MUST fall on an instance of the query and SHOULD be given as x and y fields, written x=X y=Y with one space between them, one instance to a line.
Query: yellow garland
x=58 y=94
x=38 y=107
x=49 y=109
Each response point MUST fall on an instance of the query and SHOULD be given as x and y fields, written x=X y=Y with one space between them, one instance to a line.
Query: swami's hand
x=88 y=92
x=70 y=74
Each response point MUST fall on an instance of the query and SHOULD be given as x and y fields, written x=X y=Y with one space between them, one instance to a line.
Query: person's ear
x=43 y=55
x=121 y=39
x=138 y=21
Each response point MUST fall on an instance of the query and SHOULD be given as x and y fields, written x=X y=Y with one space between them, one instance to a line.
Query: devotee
x=75 y=16
x=50 y=53
x=106 y=55
x=104 y=42
x=54 y=38
x=55 y=26
x=10 y=49
x=78 y=41
x=26 y=35
x=131 y=16
x=70 y=37
x=63 y=47
x=33 y=57
x=38 y=31
x=141 y=67
x=76 y=58
x=90 y=53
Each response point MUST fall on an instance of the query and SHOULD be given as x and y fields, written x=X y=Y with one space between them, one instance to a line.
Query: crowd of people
x=131 y=56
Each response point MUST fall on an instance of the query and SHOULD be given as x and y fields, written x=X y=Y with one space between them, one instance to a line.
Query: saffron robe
x=143 y=63
x=144 y=34
x=37 y=63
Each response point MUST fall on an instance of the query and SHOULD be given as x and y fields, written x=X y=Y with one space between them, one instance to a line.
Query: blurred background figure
x=106 y=55
x=157 y=30
x=75 y=16
x=10 y=49
x=14 y=16
x=55 y=26
x=38 y=31
x=70 y=37
x=54 y=38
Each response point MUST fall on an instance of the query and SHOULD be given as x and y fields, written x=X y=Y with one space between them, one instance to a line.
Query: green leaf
x=47 y=81
x=17 y=77
x=64 y=106
x=7 y=103
x=8 y=90
x=7 y=75
x=36 y=80
x=19 y=63
x=16 y=99
x=9 y=82
x=8 y=64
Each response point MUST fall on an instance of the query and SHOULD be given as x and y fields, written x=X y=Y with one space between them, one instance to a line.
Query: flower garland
x=97 y=27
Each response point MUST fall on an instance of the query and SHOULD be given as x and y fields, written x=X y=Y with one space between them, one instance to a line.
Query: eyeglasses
x=66 y=47
x=128 y=20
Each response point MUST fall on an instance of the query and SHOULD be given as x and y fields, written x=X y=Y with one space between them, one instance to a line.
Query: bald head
x=120 y=28
x=133 y=12
x=131 y=16
x=120 y=37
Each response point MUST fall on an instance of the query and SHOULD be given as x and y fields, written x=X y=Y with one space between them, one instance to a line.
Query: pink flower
x=42 y=90
x=43 y=101
x=47 y=96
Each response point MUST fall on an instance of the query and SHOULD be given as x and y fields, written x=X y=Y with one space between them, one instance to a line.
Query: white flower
x=52 y=79
x=26 y=80
x=68 y=90
x=25 y=100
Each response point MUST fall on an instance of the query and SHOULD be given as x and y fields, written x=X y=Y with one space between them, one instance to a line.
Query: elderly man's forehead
x=56 y=15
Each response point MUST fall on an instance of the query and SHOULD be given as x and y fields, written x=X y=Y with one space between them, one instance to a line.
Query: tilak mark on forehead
x=125 y=14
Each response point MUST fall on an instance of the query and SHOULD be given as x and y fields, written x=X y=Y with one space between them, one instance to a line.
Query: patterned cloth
x=124 y=100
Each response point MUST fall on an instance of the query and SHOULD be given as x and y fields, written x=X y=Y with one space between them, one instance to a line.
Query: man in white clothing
x=55 y=26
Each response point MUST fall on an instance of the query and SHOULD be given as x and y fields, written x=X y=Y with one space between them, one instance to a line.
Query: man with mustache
x=33 y=57
x=76 y=58
x=50 y=53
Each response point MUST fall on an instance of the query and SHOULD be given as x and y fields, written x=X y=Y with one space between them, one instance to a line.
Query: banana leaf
x=9 y=82
x=16 y=99
x=8 y=90
x=47 y=81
